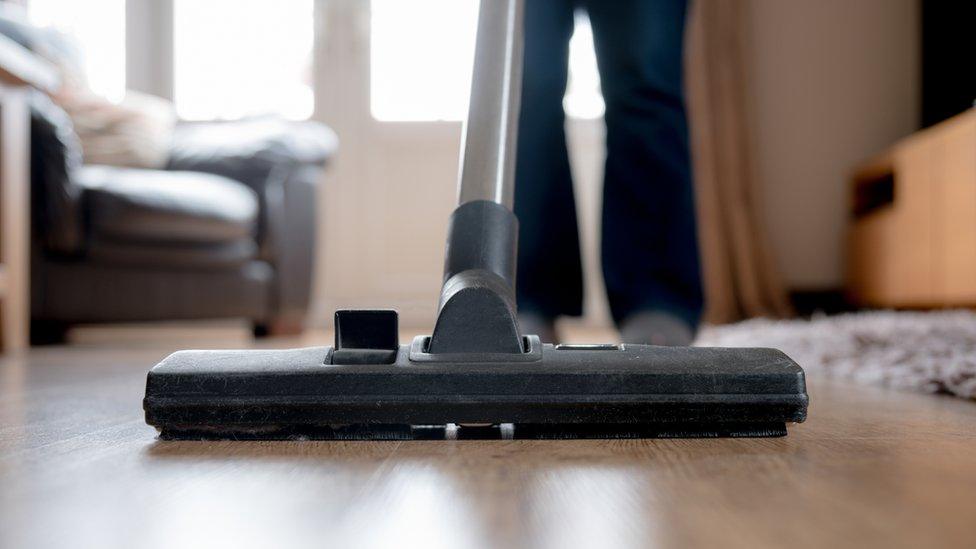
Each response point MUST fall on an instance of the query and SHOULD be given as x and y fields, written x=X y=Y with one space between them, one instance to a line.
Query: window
x=420 y=58
x=97 y=29
x=421 y=53
x=236 y=58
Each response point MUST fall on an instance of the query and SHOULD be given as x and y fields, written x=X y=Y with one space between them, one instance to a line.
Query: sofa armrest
x=250 y=150
x=290 y=241
x=282 y=162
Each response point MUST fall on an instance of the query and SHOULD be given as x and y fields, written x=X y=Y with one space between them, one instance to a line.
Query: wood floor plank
x=79 y=468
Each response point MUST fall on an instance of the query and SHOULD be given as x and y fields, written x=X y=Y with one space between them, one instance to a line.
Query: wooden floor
x=79 y=468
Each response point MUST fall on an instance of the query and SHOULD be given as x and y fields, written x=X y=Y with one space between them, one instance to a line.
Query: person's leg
x=549 y=280
x=649 y=242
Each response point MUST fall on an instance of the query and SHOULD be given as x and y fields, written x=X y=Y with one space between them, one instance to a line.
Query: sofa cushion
x=131 y=205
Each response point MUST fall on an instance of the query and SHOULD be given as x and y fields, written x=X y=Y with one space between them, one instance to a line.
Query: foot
x=536 y=324
x=656 y=328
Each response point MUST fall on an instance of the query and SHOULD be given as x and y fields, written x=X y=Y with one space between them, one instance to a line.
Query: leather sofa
x=227 y=230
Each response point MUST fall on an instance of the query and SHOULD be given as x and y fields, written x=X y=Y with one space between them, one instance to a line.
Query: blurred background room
x=226 y=174
x=253 y=165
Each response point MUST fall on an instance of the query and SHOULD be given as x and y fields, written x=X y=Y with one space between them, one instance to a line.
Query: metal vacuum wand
x=487 y=167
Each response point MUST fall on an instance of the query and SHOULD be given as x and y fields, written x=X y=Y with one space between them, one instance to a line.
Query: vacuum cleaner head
x=477 y=369
x=379 y=390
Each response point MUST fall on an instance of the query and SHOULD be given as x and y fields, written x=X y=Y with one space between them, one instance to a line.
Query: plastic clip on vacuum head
x=476 y=375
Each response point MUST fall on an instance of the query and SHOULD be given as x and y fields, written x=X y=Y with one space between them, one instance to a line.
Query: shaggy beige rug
x=934 y=352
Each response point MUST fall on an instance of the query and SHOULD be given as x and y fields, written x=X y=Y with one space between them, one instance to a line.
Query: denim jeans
x=649 y=243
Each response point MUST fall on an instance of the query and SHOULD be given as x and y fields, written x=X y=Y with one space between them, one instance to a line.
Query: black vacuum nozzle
x=546 y=391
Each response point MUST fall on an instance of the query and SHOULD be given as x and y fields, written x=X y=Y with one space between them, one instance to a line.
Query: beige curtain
x=740 y=276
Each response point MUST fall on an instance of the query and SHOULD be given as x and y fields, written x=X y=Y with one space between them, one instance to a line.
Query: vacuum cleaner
x=476 y=375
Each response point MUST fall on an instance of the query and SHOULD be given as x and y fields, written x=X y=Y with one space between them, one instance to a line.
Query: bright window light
x=97 y=28
x=420 y=58
x=421 y=53
x=238 y=58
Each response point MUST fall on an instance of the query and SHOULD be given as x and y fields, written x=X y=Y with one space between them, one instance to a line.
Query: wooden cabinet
x=912 y=239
